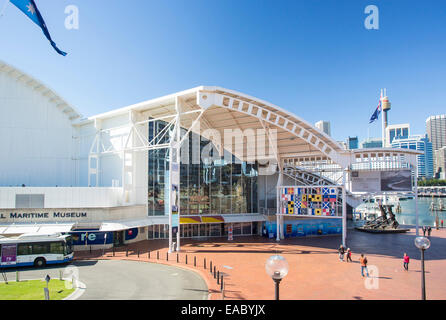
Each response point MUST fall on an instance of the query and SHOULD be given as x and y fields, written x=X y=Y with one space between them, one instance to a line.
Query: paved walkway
x=125 y=280
x=315 y=270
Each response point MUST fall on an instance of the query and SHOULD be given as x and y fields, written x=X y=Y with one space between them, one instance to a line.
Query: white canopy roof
x=41 y=228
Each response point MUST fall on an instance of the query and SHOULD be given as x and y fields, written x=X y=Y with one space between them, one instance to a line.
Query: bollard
x=195 y=261
x=46 y=293
x=113 y=251
x=186 y=258
x=60 y=275
x=204 y=263
x=167 y=256
x=157 y=255
x=218 y=277
x=126 y=252
x=17 y=276
x=178 y=259
x=215 y=273
x=221 y=283
x=210 y=268
x=148 y=255
x=138 y=253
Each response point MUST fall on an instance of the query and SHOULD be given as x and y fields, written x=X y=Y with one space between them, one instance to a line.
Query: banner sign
x=175 y=195
x=309 y=201
x=382 y=181
x=9 y=254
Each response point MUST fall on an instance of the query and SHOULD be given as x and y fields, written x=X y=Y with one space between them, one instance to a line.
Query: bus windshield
x=68 y=246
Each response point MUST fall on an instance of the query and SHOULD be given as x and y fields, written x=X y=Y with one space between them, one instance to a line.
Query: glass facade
x=425 y=162
x=212 y=186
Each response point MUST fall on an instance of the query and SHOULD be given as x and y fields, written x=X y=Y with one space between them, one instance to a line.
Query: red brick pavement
x=315 y=270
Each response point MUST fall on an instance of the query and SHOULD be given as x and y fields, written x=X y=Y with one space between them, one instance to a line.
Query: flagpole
x=4 y=8
x=382 y=118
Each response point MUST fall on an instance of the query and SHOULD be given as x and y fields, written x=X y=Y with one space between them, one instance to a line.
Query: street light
x=277 y=268
x=423 y=244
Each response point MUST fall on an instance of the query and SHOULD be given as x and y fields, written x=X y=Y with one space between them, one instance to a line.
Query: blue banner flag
x=375 y=115
x=29 y=8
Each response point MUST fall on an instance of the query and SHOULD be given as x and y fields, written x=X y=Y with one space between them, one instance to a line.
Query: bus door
x=118 y=238
x=8 y=254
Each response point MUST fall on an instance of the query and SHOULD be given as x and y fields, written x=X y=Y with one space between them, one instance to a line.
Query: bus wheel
x=40 y=262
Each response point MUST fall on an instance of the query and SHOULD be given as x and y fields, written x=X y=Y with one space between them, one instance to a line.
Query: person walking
x=341 y=251
x=429 y=230
x=406 y=260
x=349 y=255
x=442 y=223
x=424 y=231
x=363 y=261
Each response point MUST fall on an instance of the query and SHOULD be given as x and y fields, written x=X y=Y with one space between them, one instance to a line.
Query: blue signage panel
x=91 y=238
x=131 y=234
x=311 y=227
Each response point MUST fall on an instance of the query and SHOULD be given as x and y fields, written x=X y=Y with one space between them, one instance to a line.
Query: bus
x=35 y=250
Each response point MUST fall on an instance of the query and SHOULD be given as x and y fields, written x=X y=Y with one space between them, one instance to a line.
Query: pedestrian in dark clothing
x=349 y=255
x=341 y=251
x=424 y=231
x=429 y=230
x=406 y=260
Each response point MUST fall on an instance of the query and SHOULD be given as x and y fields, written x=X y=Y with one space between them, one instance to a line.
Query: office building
x=425 y=162
x=324 y=126
x=396 y=131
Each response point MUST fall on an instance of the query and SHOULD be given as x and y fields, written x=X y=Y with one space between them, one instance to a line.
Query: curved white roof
x=44 y=90
x=225 y=109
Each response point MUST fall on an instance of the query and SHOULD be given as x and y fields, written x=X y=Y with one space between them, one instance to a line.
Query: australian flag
x=375 y=115
x=29 y=8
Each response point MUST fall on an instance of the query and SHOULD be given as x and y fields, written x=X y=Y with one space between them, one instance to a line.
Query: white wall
x=36 y=138
x=41 y=147
x=66 y=197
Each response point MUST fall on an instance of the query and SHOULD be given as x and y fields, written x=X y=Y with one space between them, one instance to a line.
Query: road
x=127 y=280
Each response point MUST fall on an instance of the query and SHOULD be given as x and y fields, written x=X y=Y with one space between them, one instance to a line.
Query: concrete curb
x=80 y=290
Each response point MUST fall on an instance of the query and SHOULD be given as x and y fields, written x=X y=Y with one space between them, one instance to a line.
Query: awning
x=212 y=219
x=190 y=219
x=56 y=228
x=125 y=225
x=237 y=218
x=41 y=228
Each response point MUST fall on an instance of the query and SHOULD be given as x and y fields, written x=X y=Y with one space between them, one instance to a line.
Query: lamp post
x=277 y=268
x=423 y=244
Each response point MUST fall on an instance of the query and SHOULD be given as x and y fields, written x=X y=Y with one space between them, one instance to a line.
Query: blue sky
x=314 y=57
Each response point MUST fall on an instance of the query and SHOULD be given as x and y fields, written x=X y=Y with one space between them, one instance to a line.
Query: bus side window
x=40 y=248
x=56 y=247
x=23 y=249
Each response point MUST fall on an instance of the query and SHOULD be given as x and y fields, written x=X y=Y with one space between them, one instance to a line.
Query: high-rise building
x=372 y=143
x=440 y=161
x=396 y=131
x=324 y=126
x=425 y=162
x=352 y=143
x=436 y=131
